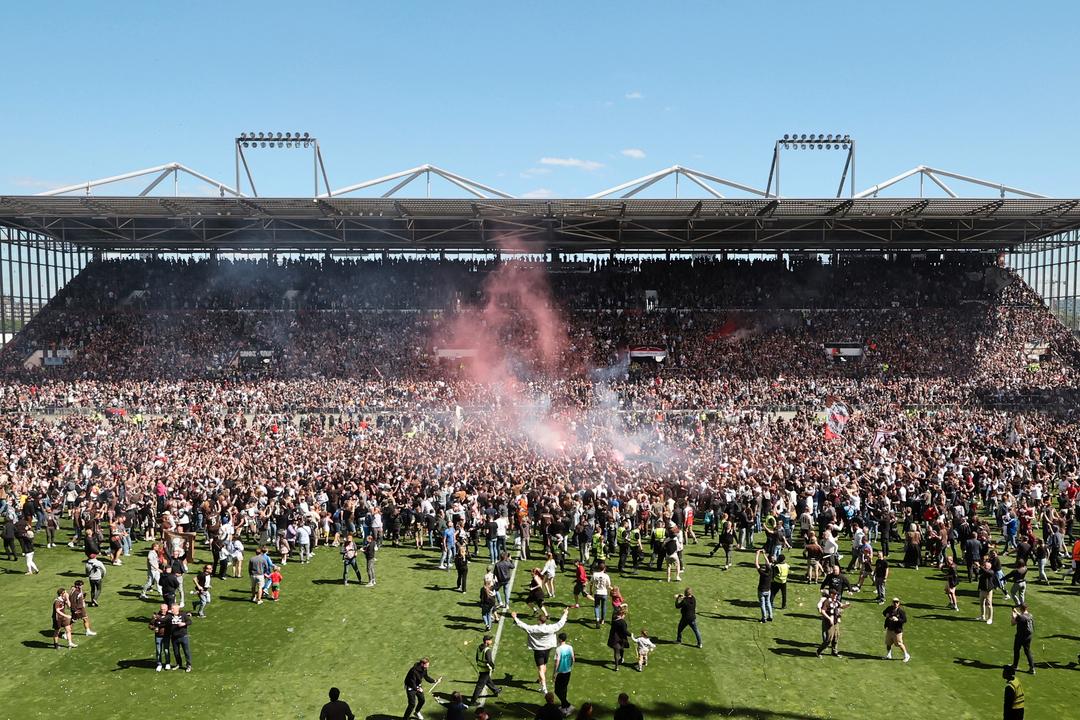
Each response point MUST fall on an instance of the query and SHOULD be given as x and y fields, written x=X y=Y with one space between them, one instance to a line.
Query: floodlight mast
x=279 y=141
x=795 y=141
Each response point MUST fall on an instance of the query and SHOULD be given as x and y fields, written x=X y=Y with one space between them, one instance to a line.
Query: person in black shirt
x=618 y=636
x=550 y=709
x=764 y=585
x=895 y=617
x=627 y=710
x=178 y=627
x=1025 y=630
x=160 y=625
x=952 y=579
x=169 y=585
x=414 y=688
x=336 y=709
x=837 y=581
x=687 y=606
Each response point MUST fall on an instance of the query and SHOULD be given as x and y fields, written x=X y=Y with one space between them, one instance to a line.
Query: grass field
x=277 y=660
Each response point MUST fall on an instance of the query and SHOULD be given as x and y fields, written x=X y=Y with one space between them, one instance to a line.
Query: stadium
x=675 y=446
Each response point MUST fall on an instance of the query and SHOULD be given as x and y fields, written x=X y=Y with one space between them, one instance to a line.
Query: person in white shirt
x=303 y=541
x=600 y=585
x=541 y=640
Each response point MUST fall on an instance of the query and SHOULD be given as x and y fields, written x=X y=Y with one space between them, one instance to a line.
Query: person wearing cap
x=895 y=617
x=485 y=665
x=95 y=572
x=1014 y=695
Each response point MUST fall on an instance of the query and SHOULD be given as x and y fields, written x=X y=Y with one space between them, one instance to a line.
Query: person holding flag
x=836 y=417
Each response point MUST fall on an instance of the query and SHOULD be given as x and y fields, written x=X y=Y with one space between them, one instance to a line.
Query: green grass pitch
x=278 y=660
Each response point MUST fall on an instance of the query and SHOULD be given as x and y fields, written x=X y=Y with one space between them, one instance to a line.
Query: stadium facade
x=47 y=239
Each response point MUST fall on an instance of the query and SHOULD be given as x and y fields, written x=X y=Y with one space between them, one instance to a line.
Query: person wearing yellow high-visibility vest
x=622 y=541
x=1014 y=695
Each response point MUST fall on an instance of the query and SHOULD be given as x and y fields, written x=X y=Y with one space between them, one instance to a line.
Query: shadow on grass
x=939 y=616
x=1063 y=637
x=977 y=664
x=804 y=616
x=744 y=603
x=39 y=644
x=138 y=619
x=144 y=663
x=71 y=573
x=326 y=581
x=736 y=618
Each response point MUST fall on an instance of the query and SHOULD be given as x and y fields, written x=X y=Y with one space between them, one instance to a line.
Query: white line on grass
x=502 y=621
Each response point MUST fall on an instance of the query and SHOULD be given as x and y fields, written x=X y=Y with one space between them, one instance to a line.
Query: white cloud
x=634 y=153
x=534 y=171
x=634 y=95
x=538 y=193
x=588 y=165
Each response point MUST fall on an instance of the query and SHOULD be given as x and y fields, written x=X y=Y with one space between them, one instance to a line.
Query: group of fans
x=959 y=446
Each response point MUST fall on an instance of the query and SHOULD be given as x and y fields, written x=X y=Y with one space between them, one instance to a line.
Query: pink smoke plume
x=515 y=337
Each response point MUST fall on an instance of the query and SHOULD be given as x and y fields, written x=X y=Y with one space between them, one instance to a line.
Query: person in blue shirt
x=449 y=548
x=564 y=664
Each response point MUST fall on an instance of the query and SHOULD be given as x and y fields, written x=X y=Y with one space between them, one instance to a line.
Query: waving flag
x=836 y=417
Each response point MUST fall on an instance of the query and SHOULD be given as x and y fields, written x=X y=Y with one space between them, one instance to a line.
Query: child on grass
x=275 y=583
x=645 y=645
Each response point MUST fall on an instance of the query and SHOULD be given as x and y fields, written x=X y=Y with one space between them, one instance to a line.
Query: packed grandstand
x=596 y=363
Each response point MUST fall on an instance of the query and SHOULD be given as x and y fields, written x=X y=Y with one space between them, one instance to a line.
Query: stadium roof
x=164 y=224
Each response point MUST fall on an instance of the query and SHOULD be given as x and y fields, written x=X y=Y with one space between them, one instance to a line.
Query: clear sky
x=554 y=99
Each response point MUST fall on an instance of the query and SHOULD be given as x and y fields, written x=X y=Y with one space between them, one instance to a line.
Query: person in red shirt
x=275 y=583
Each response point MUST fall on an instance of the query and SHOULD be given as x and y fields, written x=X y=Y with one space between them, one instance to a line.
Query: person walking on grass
x=61 y=617
x=564 y=666
x=348 y=560
x=461 y=564
x=618 y=637
x=1025 y=631
x=952 y=579
x=830 y=608
x=686 y=604
x=541 y=640
x=370 y=548
x=781 y=571
x=95 y=573
x=987 y=583
x=895 y=617
x=764 y=584
x=153 y=571
x=414 y=688
x=256 y=568
x=77 y=602
x=485 y=665
x=600 y=584
x=202 y=589
x=179 y=622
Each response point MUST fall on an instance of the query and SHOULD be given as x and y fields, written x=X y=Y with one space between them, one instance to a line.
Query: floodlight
x=264 y=144
x=786 y=136
x=306 y=136
x=260 y=136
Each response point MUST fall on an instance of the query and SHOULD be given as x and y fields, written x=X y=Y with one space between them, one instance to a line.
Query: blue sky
x=605 y=92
